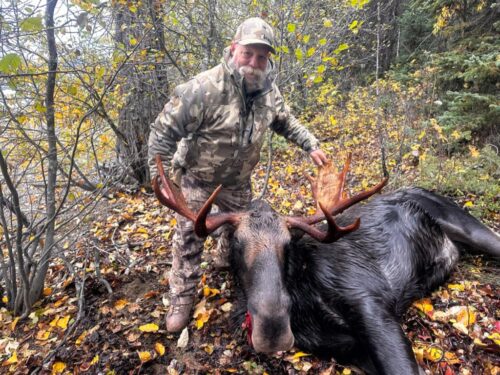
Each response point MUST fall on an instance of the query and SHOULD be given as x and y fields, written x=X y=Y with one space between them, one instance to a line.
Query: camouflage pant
x=188 y=247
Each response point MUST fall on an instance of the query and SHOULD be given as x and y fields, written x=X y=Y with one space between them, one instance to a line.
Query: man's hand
x=318 y=156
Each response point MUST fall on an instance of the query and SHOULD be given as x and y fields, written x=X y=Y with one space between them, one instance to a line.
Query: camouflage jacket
x=212 y=130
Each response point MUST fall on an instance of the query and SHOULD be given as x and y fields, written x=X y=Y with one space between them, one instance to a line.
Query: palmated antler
x=331 y=199
x=204 y=224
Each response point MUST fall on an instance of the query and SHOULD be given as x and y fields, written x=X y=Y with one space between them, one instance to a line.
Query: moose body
x=341 y=292
x=345 y=299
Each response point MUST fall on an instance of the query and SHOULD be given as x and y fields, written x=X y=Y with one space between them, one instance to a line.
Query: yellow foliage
x=58 y=367
x=151 y=327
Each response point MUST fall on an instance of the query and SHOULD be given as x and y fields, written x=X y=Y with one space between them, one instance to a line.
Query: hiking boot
x=179 y=313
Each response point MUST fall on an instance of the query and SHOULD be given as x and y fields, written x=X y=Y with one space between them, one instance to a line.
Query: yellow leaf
x=58 y=367
x=322 y=42
x=346 y=371
x=210 y=292
x=5 y=299
x=11 y=360
x=306 y=38
x=94 y=360
x=63 y=322
x=333 y=120
x=144 y=356
x=151 y=327
x=299 y=355
x=202 y=318
x=327 y=23
x=424 y=305
x=495 y=337
x=433 y=354
x=53 y=323
x=466 y=316
x=13 y=324
x=120 y=304
x=310 y=51
x=291 y=27
x=474 y=152
x=209 y=349
x=159 y=348
x=133 y=41
x=81 y=338
x=458 y=287
x=469 y=204
x=43 y=335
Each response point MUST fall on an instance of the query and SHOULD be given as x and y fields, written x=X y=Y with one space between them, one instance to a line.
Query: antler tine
x=168 y=194
x=333 y=233
x=328 y=191
x=171 y=197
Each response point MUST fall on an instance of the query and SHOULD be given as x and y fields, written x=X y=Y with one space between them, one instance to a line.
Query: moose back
x=341 y=292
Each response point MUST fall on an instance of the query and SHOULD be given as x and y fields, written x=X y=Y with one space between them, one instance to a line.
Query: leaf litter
x=456 y=330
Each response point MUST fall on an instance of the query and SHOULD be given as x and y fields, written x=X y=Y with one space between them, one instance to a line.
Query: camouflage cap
x=255 y=31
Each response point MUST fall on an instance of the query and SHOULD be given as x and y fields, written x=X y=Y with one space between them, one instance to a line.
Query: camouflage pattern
x=255 y=31
x=185 y=273
x=212 y=129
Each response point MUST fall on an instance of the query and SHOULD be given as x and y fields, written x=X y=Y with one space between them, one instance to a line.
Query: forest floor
x=117 y=325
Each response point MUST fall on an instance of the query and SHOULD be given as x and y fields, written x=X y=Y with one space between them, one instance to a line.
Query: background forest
x=410 y=87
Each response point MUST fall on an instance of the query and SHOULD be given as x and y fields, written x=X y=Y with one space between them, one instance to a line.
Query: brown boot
x=179 y=313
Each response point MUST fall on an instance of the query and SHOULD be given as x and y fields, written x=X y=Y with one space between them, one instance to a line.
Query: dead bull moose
x=341 y=292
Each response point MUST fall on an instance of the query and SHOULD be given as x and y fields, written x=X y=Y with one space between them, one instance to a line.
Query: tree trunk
x=144 y=83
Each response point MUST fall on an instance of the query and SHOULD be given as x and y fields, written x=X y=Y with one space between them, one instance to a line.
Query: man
x=210 y=133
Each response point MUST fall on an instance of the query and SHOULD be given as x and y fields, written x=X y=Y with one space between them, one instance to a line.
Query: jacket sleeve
x=180 y=117
x=288 y=126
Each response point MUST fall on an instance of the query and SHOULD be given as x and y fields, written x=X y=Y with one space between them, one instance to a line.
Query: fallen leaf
x=495 y=337
x=94 y=360
x=151 y=294
x=144 y=356
x=227 y=307
x=183 y=338
x=133 y=336
x=209 y=349
x=202 y=318
x=425 y=305
x=210 y=292
x=58 y=367
x=459 y=287
x=120 y=304
x=13 y=324
x=159 y=348
x=11 y=360
x=151 y=327
x=63 y=322
x=81 y=338
x=43 y=335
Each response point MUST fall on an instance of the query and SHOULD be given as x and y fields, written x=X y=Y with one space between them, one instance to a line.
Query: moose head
x=260 y=242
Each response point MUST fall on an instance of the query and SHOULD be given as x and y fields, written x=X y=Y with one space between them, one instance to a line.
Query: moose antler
x=204 y=224
x=331 y=199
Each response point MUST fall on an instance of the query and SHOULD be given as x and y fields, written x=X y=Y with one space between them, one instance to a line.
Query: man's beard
x=254 y=78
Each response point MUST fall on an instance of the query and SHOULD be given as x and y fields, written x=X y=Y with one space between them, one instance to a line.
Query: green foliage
x=455 y=41
x=10 y=63
x=473 y=178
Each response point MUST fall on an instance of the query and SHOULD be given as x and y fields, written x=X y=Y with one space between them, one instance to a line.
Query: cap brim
x=247 y=42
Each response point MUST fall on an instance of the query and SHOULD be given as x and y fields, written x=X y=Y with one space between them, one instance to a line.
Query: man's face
x=251 y=61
